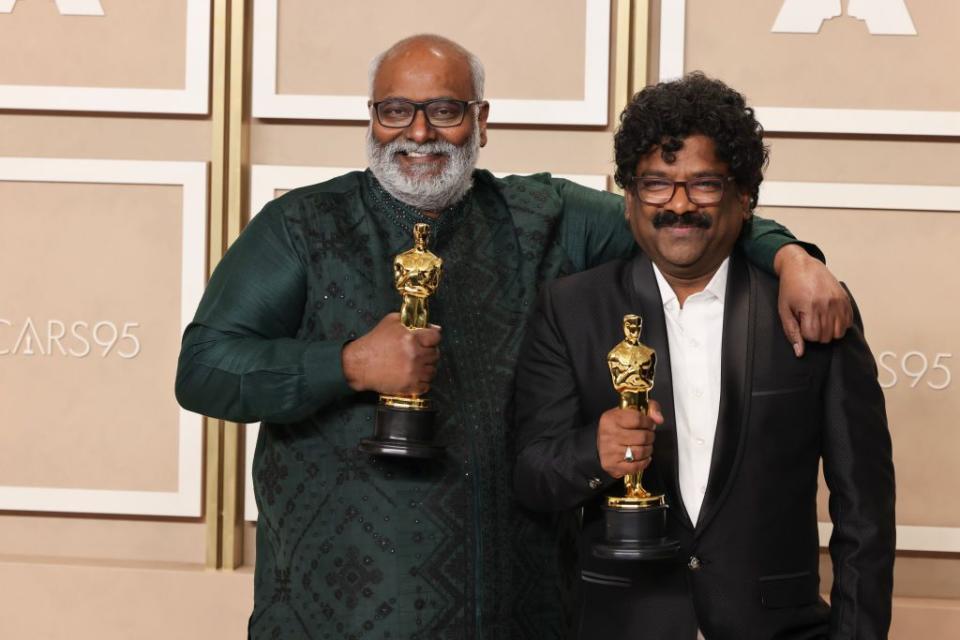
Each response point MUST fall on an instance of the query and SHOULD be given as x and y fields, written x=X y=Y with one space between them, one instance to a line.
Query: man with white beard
x=298 y=329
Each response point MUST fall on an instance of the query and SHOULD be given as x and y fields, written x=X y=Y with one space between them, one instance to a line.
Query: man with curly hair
x=741 y=424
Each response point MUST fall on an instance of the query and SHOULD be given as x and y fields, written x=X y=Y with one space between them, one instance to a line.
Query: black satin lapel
x=736 y=365
x=654 y=335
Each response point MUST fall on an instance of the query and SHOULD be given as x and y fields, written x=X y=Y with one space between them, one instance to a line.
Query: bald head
x=411 y=52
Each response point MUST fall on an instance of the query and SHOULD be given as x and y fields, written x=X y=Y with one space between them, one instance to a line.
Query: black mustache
x=671 y=219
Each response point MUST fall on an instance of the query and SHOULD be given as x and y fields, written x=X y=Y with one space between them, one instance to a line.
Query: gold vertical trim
x=218 y=117
x=238 y=126
x=621 y=65
x=213 y=439
x=632 y=21
x=237 y=173
x=640 y=45
x=213 y=442
x=621 y=58
x=631 y=55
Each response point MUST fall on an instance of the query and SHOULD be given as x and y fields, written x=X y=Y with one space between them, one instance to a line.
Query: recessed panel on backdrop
x=547 y=61
x=827 y=66
x=104 y=265
x=899 y=264
x=105 y=55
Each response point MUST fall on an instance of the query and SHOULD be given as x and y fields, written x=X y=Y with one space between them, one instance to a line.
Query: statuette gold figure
x=632 y=365
x=416 y=275
x=635 y=524
x=405 y=424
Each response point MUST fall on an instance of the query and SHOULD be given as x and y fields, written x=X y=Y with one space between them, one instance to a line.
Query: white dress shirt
x=695 y=336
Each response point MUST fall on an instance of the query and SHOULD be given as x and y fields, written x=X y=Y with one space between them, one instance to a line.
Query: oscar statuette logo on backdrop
x=65 y=7
x=883 y=17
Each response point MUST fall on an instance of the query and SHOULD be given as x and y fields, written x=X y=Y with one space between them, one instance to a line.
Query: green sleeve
x=240 y=359
x=593 y=230
x=592 y=227
x=764 y=237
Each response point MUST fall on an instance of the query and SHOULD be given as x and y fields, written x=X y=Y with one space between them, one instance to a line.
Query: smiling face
x=420 y=72
x=687 y=241
x=422 y=165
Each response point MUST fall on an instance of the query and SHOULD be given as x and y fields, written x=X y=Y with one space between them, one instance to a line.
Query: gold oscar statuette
x=634 y=523
x=405 y=423
x=416 y=276
x=632 y=364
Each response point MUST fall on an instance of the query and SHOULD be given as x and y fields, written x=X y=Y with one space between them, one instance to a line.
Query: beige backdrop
x=904 y=312
x=134 y=44
x=349 y=35
x=61 y=430
x=112 y=252
x=847 y=66
x=99 y=252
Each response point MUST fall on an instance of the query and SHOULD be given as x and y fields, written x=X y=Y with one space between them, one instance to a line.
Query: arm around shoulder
x=764 y=238
x=593 y=229
x=812 y=303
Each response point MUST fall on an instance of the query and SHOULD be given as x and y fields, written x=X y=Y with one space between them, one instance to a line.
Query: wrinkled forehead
x=423 y=72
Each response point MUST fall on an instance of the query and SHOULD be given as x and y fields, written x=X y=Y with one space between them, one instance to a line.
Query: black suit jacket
x=756 y=543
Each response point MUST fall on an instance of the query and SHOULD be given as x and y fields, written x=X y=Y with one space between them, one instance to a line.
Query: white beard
x=425 y=192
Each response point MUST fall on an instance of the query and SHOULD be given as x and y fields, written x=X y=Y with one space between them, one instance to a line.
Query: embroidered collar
x=405 y=216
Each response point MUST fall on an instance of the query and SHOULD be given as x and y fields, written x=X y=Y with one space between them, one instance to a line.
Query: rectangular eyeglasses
x=700 y=191
x=441 y=112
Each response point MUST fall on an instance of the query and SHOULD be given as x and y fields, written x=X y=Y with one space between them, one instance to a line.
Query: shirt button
x=694 y=563
x=694 y=343
x=698 y=392
x=703 y=488
x=699 y=441
x=594 y=483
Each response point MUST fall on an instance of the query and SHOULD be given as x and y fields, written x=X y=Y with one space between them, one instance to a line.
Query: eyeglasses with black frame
x=703 y=191
x=441 y=112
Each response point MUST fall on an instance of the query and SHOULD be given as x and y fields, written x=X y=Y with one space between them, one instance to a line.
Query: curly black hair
x=664 y=114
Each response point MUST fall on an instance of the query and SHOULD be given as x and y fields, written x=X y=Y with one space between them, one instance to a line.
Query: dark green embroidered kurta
x=352 y=546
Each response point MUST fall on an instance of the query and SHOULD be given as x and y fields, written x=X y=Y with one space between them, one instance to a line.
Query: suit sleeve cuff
x=587 y=460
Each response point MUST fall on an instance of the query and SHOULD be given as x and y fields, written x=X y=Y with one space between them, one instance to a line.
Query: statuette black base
x=403 y=433
x=636 y=534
